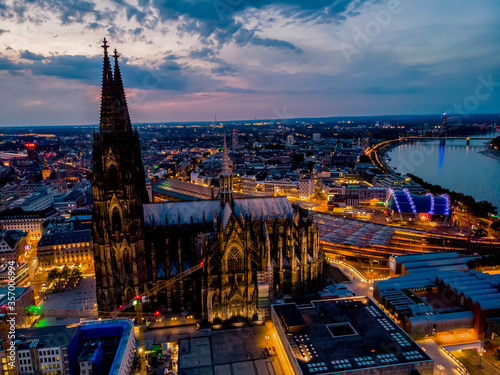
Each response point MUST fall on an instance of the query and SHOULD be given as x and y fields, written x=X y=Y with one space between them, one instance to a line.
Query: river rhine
x=454 y=166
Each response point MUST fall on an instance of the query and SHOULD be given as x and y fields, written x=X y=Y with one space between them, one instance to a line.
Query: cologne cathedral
x=253 y=250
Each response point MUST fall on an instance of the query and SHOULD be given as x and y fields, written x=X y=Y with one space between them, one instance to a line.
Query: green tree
x=318 y=194
x=65 y=272
x=76 y=273
x=53 y=274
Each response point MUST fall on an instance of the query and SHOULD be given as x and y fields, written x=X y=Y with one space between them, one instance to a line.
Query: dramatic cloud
x=187 y=60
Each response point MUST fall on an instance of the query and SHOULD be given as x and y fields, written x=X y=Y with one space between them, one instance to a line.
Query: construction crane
x=138 y=314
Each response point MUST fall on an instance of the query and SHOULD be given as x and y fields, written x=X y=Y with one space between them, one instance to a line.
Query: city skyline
x=188 y=62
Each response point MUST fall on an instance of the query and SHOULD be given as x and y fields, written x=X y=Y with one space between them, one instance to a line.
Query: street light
x=440 y=368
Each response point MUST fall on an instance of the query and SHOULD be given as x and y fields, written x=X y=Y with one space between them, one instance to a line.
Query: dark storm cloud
x=27 y=55
x=8 y=65
x=215 y=19
x=168 y=76
x=244 y=37
x=68 y=11
x=224 y=68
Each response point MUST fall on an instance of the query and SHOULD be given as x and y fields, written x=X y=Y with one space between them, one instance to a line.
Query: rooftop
x=44 y=337
x=205 y=210
x=19 y=213
x=349 y=334
x=184 y=190
x=4 y=293
x=338 y=230
x=62 y=231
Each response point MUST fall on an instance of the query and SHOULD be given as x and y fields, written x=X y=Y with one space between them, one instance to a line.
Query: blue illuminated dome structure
x=403 y=205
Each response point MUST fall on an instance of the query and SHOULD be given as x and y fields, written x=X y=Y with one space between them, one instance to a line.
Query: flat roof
x=349 y=334
x=44 y=337
x=291 y=315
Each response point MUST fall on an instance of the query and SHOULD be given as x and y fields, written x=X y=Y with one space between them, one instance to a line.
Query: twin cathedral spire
x=114 y=110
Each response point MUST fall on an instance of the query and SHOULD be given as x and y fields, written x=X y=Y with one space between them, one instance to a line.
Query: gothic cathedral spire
x=107 y=91
x=119 y=191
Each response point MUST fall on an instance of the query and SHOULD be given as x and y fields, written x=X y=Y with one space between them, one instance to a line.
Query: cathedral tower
x=119 y=190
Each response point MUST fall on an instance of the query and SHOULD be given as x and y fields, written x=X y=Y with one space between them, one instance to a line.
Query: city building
x=106 y=346
x=21 y=273
x=279 y=188
x=249 y=247
x=179 y=191
x=439 y=302
x=349 y=336
x=12 y=245
x=46 y=171
x=440 y=261
x=402 y=205
x=43 y=350
x=289 y=140
x=32 y=152
x=316 y=137
x=38 y=201
x=234 y=143
x=66 y=202
x=364 y=191
x=343 y=201
x=90 y=357
x=396 y=182
x=306 y=187
x=296 y=188
x=23 y=299
x=444 y=122
x=66 y=242
x=32 y=222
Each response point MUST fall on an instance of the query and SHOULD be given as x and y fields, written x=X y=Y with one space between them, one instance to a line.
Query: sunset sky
x=240 y=59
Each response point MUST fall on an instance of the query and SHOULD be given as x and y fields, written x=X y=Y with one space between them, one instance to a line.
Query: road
x=359 y=287
x=440 y=358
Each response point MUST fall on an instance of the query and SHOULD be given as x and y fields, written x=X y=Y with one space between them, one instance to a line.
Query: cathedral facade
x=253 y=250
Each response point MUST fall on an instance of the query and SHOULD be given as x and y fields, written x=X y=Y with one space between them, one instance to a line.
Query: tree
x=53 y=275
x=65 y=272
x=318 y=194
x=76 y=273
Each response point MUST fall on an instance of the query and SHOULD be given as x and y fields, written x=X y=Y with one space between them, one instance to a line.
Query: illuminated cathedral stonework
x=254 y=250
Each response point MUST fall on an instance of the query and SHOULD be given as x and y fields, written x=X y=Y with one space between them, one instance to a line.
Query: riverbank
x=451 y=164
x=491 y=153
